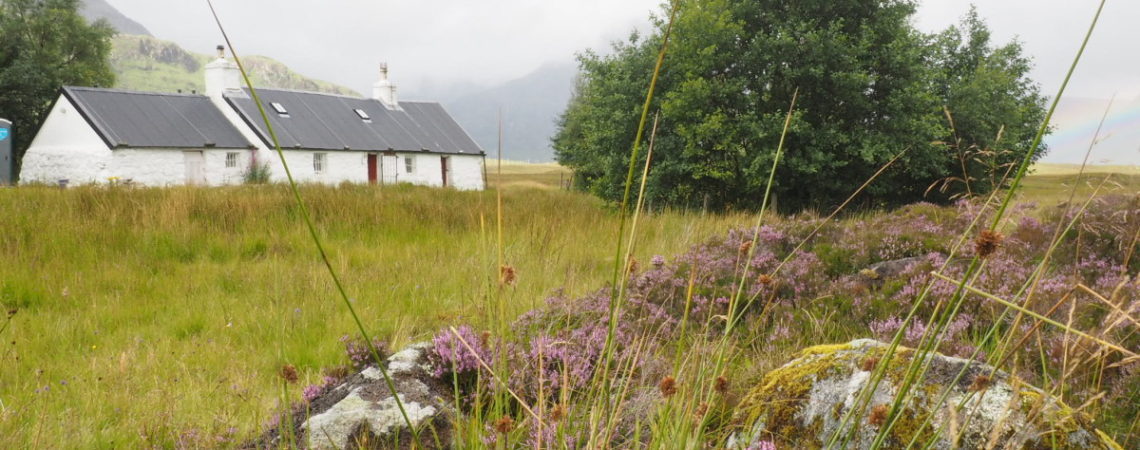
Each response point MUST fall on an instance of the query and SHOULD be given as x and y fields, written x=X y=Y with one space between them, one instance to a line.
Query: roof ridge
x=132 y=92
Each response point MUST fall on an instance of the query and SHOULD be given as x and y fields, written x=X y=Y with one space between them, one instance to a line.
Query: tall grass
x=157 y=306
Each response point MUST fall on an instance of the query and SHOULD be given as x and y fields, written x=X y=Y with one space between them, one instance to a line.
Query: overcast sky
x=433 y=43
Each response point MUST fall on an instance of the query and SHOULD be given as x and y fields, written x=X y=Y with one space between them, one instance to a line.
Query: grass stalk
x=308 y=220
x=619 y=267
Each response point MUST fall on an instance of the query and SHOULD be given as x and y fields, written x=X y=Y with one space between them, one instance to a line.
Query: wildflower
x=504 y=425
x=633 y=266
x=658 y=261
x=745 y=247
x=869 y=363
x=721 y=385
x=981 y=383
x=762 y=445
x=558 y=413
x=668 y=386
x=311 y=392
x=485 y=338
x=289 y=373
x=765 y=279
x=507 y=275
x=879 y=415
x=987 y=243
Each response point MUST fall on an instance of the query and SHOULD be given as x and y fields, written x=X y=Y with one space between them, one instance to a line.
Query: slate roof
x=318 y=121
x=154 y=120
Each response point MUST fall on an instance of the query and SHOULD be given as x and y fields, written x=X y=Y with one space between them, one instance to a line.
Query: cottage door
x=444 y=168
x=388 y=168
x=371 y=168
x=195 y=168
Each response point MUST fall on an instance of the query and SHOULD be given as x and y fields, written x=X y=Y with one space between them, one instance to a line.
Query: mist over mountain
x=93 y=10
x=530 y=108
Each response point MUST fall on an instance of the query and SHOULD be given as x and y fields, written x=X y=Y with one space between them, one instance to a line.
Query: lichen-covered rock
x=804 y=403
x=361 y=412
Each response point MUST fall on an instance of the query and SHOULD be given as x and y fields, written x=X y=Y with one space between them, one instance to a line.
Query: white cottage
x=158 y=139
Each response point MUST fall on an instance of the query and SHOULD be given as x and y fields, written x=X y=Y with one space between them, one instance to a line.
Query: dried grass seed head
x=668 y=386
x=721 y=385
x=504 y=425
x=987 y=243
x=289 y=373
x=879 y=415
x=507 y=275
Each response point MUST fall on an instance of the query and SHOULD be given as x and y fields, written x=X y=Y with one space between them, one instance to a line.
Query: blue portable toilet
x=7 y=154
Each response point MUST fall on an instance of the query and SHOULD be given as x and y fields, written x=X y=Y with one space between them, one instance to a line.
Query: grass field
x=144 y=314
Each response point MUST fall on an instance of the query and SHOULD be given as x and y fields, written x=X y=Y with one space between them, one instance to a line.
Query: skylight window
x=363 y=115
x=279 y=108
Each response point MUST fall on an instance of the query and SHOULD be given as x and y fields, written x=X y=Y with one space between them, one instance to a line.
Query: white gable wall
x=66 y=147
x=466 y=172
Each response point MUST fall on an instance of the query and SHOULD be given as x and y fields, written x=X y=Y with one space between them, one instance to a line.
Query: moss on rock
x=806 y=402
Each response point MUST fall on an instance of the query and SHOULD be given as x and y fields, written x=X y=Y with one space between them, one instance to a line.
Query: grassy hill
x=146 y=63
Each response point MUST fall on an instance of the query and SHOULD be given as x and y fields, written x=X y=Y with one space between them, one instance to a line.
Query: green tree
x=870 y=86
x=46 y=45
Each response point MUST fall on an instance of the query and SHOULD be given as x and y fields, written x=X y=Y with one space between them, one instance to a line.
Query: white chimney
x=384 y=90
x=222 y=75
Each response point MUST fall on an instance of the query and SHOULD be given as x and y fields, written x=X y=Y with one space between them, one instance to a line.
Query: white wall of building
x=66 y=148
x=467 y=172
x=167 y=166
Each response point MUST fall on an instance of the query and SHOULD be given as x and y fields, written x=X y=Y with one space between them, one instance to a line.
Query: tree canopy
x=869 y=87
x=46 y=45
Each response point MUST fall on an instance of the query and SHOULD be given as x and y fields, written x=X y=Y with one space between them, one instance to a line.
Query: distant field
x=514 y=173
x=1050 y=184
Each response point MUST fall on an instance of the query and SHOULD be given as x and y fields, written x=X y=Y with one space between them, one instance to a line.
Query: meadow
x=139 y=315
x=161 y=317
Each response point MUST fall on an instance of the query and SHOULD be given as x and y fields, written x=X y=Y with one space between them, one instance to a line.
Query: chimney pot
x=221 y=51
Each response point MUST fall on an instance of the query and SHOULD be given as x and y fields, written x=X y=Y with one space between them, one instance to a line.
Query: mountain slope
x=93 y=10
x=144 y=63
x=531 y=106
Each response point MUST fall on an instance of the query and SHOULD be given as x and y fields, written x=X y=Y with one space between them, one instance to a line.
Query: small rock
x=361 y=412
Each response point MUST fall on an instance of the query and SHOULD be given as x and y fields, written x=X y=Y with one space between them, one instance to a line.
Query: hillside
x=99 y=9
x=146 y=63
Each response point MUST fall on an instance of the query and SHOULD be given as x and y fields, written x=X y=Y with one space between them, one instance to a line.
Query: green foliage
x=258 y=173
x=870 y=86
x=47 y=45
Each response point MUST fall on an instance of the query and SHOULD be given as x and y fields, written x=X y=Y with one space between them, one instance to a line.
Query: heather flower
x=762 y=445
x=658 y=261
x=359 y=355
x=311 y=392
x=452 y=356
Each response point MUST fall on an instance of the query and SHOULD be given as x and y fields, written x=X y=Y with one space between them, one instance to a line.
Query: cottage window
x=320 y=162
x=409 y=164
x=231 y=160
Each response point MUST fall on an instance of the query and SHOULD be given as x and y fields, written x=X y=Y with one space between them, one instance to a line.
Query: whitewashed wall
x=66 y=148
x=167 y=167
x=467 y=172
